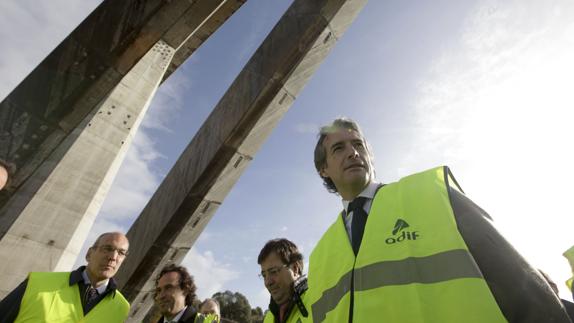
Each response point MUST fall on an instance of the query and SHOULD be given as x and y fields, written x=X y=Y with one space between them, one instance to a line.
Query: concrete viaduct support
x=68 y=125
x=227 y=141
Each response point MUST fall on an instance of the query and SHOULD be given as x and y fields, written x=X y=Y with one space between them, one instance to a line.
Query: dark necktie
x=90 y=298
x=358 y=222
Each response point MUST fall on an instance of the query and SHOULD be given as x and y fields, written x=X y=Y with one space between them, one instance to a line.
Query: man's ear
x=322 y=173
x=297 y=269
x=88 y=254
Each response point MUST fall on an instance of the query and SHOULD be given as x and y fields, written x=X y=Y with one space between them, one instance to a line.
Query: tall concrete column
x=67 y=126
x=54 y=223
x=223 y=147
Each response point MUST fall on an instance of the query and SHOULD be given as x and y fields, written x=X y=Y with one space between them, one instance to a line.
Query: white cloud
x=210 y=275
x=262 y=297
x=136 y=181
x=498 y=107
x=22 y=22
x=168 y=102
x=305 y=128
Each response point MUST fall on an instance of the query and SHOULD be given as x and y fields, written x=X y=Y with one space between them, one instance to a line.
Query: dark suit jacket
x=521 y=292
x=188 y=316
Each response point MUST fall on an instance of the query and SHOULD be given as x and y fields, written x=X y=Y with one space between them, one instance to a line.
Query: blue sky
x=483 y=86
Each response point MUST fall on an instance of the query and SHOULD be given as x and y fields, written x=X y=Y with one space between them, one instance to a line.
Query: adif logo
x=403 y=235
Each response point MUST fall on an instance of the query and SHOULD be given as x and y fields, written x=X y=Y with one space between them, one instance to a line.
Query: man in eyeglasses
x=87 y=294
x=282 y=272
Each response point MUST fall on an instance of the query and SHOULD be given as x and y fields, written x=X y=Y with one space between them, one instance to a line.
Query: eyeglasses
x=271 y=272
x=109 y=249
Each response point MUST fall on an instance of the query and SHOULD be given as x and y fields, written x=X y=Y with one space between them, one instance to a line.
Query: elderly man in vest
x=417 y=250
x=87 y=294
x=282 y=273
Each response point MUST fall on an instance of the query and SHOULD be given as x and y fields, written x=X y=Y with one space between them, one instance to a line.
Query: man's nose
x=352 y=152
x=269 y=280
x=114 y=255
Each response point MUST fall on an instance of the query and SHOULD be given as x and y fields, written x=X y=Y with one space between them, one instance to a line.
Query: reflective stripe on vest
x=50 y=298
x=413 y=265
x=432 y=269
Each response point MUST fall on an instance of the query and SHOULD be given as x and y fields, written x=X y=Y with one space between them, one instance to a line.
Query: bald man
x=87 y=294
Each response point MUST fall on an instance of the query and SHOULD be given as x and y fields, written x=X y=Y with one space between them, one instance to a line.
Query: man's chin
x=358 y=179
x=279 y=300
x=106 y=274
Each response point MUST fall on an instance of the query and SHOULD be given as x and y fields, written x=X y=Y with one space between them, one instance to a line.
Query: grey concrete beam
x=62 y=181
x=57 y=216
x=227 y=141
x=87 y=65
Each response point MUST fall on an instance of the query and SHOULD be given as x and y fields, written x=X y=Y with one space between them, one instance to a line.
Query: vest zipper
x=352 y=292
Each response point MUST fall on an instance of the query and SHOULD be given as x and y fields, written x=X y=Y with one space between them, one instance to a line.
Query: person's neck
x=283 y=311
x=353 y=192
x=96 y=282
x=170 y=316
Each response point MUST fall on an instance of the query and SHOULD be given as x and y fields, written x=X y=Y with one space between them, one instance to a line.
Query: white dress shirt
x=369 y=193
x=87 y=281
x=176 y=317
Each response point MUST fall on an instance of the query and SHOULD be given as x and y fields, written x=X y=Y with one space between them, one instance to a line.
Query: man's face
x=169 y=297
x=210 y=307
x=278 y=278
x=348 y=162
x=106 y=257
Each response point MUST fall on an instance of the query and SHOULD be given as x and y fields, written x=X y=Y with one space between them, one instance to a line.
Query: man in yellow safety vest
x=282 y=273
x=87 y=294
x=417 y=250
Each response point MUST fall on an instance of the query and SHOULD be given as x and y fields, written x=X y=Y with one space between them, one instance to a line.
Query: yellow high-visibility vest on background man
x=569 y=254
x=50 y=298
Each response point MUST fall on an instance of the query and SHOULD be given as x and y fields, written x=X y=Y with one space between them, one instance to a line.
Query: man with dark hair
x=417 y=250
x=87 y=294
x=174 y=296
x=282 y=272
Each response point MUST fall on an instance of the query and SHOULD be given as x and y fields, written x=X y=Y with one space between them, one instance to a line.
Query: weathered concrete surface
x=50 y=103
x=67 y=147
x=227 y=141
x=50 y=231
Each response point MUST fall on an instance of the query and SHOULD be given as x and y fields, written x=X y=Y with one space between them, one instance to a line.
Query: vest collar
x=76 y=277
x=299 y=287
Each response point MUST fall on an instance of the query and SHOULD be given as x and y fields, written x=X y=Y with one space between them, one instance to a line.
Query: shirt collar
x=368 y=192
x=77 y=276
x=101 y=289
x=176 y=317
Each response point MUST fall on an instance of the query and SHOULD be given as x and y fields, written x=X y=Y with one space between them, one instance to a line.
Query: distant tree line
x=235 y=308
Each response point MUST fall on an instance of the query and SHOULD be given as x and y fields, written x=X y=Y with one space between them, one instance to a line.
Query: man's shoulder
x=188 y=315
x=48 y=278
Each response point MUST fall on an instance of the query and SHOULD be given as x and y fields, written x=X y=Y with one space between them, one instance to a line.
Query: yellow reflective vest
x=569 y=254
x=50 y=298
x=412 y=266
x=299 y=303
x=294 y=317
